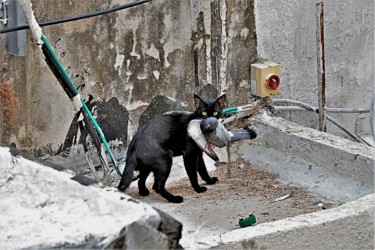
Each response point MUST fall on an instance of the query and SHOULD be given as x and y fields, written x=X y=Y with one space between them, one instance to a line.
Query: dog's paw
x=176 y=199
x=200 y=189
x=213 y=181
x=144 y=192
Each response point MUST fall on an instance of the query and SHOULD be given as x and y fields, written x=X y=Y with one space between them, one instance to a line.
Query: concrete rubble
x=44 y=208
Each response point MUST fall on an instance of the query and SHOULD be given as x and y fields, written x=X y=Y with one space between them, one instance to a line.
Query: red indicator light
x=273 y=81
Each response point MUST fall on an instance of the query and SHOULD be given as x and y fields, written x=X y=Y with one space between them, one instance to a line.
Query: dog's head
x=209 y=108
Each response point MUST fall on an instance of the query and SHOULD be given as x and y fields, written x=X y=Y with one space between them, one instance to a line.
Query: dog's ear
x=198 y=101
x=221 y=101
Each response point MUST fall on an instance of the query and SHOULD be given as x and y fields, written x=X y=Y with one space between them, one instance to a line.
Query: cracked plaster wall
x=161 y=50
x=126 y=60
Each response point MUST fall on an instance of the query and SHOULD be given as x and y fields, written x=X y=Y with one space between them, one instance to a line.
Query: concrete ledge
x=330 y=166
x=350 y=226
x=341 y=155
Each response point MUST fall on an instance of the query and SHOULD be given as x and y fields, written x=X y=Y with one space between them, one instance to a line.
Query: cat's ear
x=221 y=101
x=198 y=101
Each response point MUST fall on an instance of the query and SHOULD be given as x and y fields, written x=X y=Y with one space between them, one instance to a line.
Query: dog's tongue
x=211 y=145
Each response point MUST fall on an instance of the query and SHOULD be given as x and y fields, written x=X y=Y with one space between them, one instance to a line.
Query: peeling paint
x=119 y=61
x=224 y=48
x=128 y=72
x=153 y=52
x=142 y=76
x=208 y=62
x=136 y=104
x=178 y=34
x=134 y=53
x=244 y=83
x=156 y=74
x=244 y=33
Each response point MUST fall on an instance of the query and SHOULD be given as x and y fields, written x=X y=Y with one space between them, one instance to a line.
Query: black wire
x=64 y=20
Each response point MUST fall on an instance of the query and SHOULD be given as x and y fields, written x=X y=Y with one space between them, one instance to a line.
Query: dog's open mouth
x=211 y=145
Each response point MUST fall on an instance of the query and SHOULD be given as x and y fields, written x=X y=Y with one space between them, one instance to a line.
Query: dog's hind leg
x=127 y=175
x=191 y=162
x=143 y=174
x=161 y=175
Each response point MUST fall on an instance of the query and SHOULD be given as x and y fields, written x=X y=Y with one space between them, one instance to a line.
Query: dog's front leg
x=191 y=164
x=202 y=170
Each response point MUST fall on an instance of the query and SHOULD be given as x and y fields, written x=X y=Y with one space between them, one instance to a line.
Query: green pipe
x=101 y=136
x=74 y=89
x=230 y=110
x=72 y=86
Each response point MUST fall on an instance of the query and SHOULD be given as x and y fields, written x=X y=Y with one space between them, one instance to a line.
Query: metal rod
x=321 y=65
x=372 y=116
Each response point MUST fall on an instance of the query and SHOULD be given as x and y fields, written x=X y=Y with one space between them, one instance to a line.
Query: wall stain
x=198 y=39
x=158 y=106
x=10 y=106
x=112 y=118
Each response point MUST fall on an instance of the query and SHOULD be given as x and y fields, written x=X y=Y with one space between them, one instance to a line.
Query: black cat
x=156 y=143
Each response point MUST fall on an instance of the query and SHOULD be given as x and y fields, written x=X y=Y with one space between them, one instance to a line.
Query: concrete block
x=44 y=208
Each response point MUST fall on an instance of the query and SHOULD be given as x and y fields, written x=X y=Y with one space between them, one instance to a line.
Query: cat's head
x=209 y=108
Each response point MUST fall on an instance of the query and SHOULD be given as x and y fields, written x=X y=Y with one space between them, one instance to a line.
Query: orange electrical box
x=265 y=79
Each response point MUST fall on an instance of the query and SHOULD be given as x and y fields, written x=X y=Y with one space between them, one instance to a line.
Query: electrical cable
x=64 y=20
x=329 y=118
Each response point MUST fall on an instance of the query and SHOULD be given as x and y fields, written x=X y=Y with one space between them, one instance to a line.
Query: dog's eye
x=204 y=113
x=216 y=113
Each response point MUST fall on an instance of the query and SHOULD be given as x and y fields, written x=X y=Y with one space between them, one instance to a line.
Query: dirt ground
x=242 y=190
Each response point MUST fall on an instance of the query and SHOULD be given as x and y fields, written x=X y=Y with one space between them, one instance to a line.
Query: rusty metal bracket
x=13 y=16
x=4 y=12
x=321 y=66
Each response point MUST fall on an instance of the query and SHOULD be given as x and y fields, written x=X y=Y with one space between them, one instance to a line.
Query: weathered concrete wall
x=286 y=33
x=126 y=61
x=133 y=60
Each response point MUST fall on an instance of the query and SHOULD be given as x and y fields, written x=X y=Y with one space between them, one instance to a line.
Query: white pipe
x=36 y=30
x=328 y=110
x=331 y=119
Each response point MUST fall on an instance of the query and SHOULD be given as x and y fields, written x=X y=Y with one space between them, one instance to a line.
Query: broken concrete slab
x=44 y=208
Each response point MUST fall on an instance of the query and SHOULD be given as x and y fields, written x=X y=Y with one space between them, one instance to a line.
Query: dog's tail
x=128 y=174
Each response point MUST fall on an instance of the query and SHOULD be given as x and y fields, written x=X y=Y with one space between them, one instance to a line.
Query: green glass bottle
x=247 y=221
